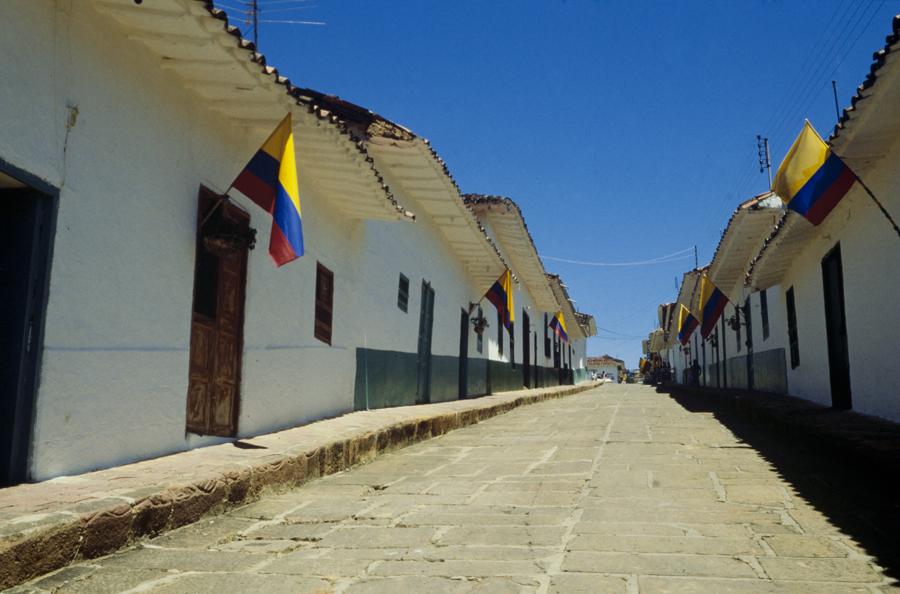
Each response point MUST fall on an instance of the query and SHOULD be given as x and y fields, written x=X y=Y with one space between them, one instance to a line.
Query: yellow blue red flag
x=501 y=295
x=270 y=180
x=687 y=323
x=712 y=304
x=558 y=325
x=812 y=179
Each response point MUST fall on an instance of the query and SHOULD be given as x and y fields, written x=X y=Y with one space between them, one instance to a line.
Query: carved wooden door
x=217 y=331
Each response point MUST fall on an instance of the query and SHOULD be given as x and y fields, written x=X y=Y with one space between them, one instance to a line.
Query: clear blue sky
x=624 y=130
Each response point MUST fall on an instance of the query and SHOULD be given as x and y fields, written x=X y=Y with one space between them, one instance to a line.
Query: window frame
x=793 y=337
x=479 y=336
x=403 y=294
x=547 y=348
x=323 y=330
x=512 y=344
x=499 y=333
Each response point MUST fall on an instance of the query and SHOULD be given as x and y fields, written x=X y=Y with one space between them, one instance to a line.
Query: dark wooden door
x=463 y=353
x=426 y=321
x=217 y=329
x=27 y=234
x=526 y=350
x=836 y=330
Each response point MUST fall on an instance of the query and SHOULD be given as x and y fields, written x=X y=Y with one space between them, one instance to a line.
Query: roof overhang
x=686 y=294
x=567 y=306
x=516 y=244
x=780 y=251
x=657 y=341
x=414 y=167
x=868 y=128
x=587 y=323
x=194 y=41
x=747 y=230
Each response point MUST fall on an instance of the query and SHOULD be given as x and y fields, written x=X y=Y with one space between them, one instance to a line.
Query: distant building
x=606 y=366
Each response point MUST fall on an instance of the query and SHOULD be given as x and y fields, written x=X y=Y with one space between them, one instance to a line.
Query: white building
x=605 y=366
x=813 y=309
x=126 y=337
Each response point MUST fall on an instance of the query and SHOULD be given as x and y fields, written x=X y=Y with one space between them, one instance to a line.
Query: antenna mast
x=762 y=149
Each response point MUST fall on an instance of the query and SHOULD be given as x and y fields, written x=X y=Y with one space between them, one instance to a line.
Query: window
x=479 y=337
x=512 y=344
x=546 y=338
x=499 y=333
x=403 y=293
x=737 y=330
x=792 y=328
x=324 y=301
x=764 y=312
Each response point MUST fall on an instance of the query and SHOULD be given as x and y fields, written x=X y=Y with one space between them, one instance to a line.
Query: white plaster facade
x=128 y=146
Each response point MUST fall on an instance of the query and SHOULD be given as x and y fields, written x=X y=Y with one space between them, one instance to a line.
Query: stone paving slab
x=415 y=520
x=863 y=438
x=47 y=525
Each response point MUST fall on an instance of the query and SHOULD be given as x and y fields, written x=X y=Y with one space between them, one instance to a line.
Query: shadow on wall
x=856 y=498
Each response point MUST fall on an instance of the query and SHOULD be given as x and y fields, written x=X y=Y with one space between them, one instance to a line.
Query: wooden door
x=463 y=353
x=836 y=330
x=426 y=321
x=217 y=330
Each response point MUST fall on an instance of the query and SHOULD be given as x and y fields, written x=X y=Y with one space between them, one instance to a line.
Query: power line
x=674 y=257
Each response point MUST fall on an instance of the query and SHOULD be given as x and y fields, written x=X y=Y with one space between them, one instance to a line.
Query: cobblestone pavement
x=619 y=489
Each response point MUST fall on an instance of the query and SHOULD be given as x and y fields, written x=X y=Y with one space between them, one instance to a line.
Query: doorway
x=217 y=322
x=836 y=330
x=463 y=353
x=749 y=321
x=426 y=321
x=526 y=350
x=29 y=218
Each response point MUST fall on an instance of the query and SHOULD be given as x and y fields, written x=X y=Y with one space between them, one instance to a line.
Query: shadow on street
x=858 y=499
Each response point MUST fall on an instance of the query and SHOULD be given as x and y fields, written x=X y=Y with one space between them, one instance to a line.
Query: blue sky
x=625 y=130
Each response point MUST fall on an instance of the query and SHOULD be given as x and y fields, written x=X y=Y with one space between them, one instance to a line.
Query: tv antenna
x=762 y=148
x=254 y=12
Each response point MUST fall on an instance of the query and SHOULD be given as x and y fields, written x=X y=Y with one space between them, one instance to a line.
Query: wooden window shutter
x=324 y=303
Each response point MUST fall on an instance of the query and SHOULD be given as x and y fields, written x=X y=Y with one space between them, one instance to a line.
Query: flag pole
x=878 y=203
x=871 y=194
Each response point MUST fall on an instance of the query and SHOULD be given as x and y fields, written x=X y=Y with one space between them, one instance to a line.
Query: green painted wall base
x=769 y=372
x=389 y=378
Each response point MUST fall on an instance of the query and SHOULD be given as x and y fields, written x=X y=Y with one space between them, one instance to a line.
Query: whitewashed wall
x=871 y=268
x=114 y=377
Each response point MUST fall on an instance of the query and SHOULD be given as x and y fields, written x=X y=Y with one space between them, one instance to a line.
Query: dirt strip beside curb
x=45 y=526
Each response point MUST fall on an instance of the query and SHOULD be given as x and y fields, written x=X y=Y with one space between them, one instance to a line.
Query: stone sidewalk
x=858 y=438
x=45 y=526
x=620 y=489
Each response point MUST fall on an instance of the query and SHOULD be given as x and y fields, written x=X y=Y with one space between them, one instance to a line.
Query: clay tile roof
x=878 y=60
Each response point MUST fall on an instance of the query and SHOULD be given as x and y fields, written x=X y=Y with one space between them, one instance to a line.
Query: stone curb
x=116 y=522
x=859 y=439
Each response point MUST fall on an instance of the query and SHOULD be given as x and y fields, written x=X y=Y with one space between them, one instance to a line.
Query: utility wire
x=674 y=257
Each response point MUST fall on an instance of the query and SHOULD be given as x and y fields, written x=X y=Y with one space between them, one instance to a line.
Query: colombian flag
x=270 y=180
x=558 y=324
x=712 y=304
x=687 y=323
x=501 y=295
x=812 y=179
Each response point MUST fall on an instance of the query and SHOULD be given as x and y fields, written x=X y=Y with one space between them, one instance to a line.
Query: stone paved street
x=619 y=489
